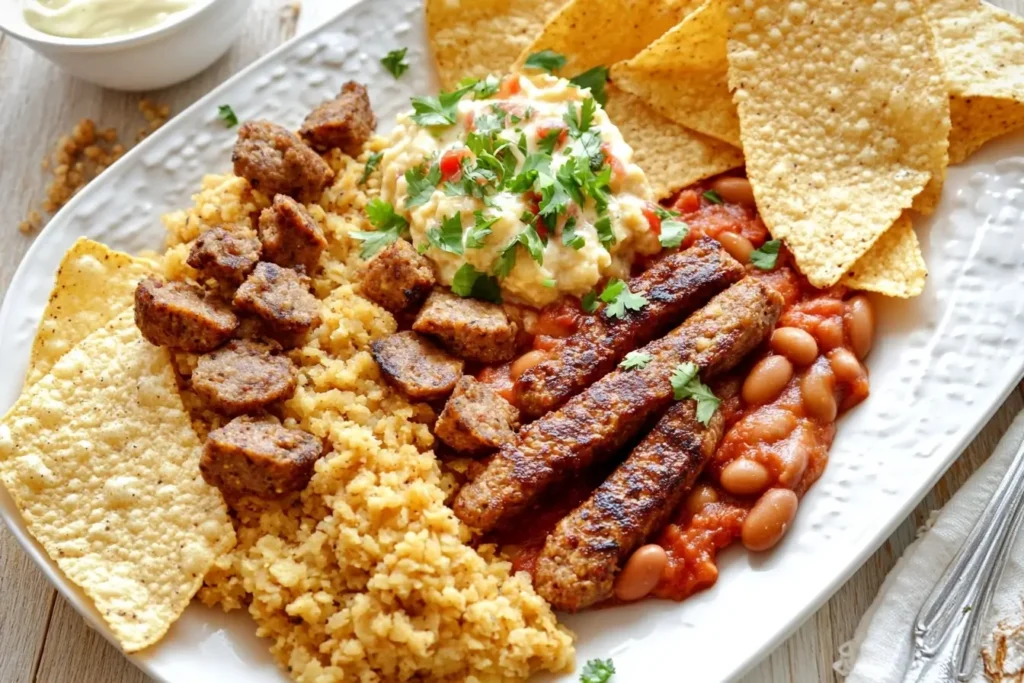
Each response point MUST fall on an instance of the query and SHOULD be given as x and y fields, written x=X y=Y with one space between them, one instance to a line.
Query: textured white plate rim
x=811 y=603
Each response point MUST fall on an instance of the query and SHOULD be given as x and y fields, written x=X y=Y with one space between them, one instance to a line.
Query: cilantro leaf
x=549 y=283
x=506 y=259
x=395 y=63
x=766 y=257
x=371 y=165
x=531 y=240
x=588 y=146
x=603 y=226
x=554 y=198
x=673 y=233
x=485 y=124
x=594 y=79
x=570 y=237
x=421 y=184
x=663 y=213
x=597 y=671
x=440 y=110
x=636 y=360
x=481 y=230
x=447 y=236
x=226 y=114
x=549 y=141
x=389 y=228
x=547 y=60
x=582 y=123
x=713 y=197
x=482 y=88
x=619 y=299
x=588 y=302
x=686 y=384
x=470 y=282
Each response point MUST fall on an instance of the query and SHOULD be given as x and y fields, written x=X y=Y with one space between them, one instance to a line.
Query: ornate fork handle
x=946 y=630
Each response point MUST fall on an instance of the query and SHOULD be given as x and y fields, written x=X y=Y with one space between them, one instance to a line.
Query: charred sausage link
x=600 y=420
x=583 y=554
x=675 y=286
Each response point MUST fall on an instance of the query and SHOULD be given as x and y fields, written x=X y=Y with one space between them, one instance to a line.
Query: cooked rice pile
x=366 y=576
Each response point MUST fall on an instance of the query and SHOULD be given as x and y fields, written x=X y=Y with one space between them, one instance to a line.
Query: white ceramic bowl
x=155 y=58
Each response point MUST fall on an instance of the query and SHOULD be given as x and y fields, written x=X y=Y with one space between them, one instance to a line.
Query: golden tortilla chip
x=894 y=266
x=480 y=37
x=840 y=133
x=981 y=49
x=101 y=460
x=684 y=74
x=602 y=33
x=672 y=156
x=94 y=284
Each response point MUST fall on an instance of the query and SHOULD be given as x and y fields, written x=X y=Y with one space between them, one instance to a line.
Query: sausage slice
x=181 y=316
x=280 y=297
x=416 y=366
x=346 y=122
x=469 y=328
x=244 y=376
x=275 y=161
x=290 y=236
x=476 y=420
x=397 y=279
x=225 y=256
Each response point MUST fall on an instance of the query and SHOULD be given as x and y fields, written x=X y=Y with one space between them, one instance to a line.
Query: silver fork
x=946 y=631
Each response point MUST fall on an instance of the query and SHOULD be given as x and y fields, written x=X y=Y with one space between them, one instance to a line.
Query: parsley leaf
x=549 y=142
x=570 y=237
x=226 y=114
x=603 y=226
x=597 y=671
x=663 y=213
x=482 y=88
x=549 y=283
x=440 y=110
x=548 y=60
x=554 y=198
x=765 y=257
x=447 y=237
x=371 y=165
x=673 y=233
x=588 y=302
x=470 y=282
x=582 y=123
x=390 y=227
x=619 y=299
x=531 y=240
x=421 y=184
x=686 y=384
x=636 y=360
x=713 y=197
x=506 y=259
x=395 y=62
x=481 y=230
x=594 y=79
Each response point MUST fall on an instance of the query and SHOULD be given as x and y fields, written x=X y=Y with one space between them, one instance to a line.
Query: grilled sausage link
x=583 y=554
x=597 y=422
x=675 y=286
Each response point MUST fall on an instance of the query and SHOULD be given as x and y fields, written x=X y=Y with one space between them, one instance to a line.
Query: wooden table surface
x=42 y=639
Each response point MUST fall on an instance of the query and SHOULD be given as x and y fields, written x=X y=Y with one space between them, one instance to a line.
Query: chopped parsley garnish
x=588 y=302
x=481 y=230
x=470 y=282
x=371 y=165
x=686 y=384
x=549 y=141
x=765 y=257
x=570 y=237
x=579 y=123
x=713 y=197
x=663 y=213
x=594 y=79
x=440 y=110
x=506 y=259
x=395 y=62
x=554 y=197
x=482 y=88
x=226 y=114
x=549 y=283
x=390 y=227
x=421 y=183
x=597 y=671
x=619 y=299
x=636 y=360
x=548 y=60
x=673 y=233
x=603 y=226
x=485 y=124
x=530 y=239
x=447 y=236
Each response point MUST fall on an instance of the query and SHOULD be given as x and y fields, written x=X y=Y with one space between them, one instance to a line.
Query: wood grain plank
x=26 y=599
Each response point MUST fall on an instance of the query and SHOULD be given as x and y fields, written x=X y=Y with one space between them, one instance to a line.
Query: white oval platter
x=941 y=366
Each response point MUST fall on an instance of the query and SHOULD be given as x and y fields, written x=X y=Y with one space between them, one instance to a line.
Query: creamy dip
x=100 y=18
x=469 y=194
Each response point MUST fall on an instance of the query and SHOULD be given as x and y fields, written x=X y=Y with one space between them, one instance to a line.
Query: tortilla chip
x=633 y=24
x=840 y=133
x=90 y=281
x=981 y=49
x=684 y=74
x=894 y=266
x=101 y=460
x=672 y=156
x=480 y=37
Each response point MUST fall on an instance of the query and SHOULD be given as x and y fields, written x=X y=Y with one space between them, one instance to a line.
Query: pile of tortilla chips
x=844 y=114
x=100 y=457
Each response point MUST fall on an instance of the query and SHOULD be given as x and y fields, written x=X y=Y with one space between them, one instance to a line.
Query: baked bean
x=816 y=388
x=860 y=325
x=769 y=519
x=795 y=344
x=526 y=361
x=529 y=322
x=738 y=246
x=734 y=190
x=845 y=365
x=766 y=380
x=641 y=573
x=795 y=459
x=701 y=496
x=768 y=425
x=744 y=477
x=830 y=333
